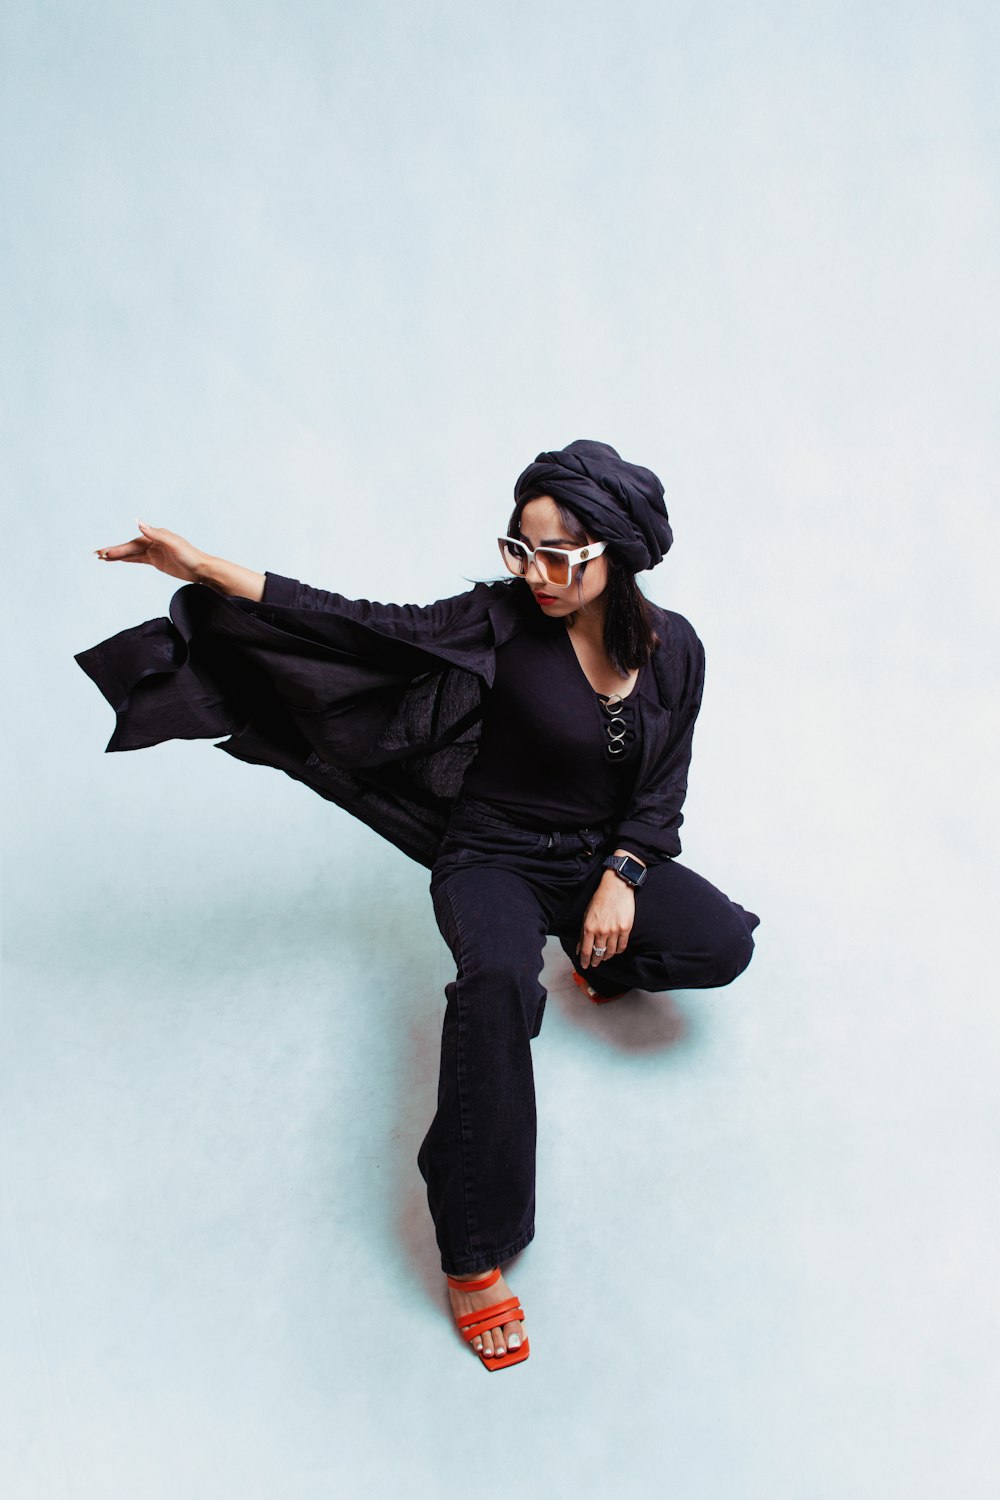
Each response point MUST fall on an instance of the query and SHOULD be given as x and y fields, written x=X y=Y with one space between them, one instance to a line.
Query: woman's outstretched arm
x=229 y=578
x=175 y=555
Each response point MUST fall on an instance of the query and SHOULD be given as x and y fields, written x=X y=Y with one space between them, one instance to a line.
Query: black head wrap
x=618 y=502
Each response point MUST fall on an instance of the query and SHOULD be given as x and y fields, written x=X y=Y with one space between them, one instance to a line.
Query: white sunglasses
x=555 y=565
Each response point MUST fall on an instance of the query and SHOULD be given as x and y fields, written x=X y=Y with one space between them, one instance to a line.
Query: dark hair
x=629 y=633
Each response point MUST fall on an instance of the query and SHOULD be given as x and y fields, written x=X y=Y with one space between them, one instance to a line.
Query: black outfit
x=505 y=878
x=383 y=709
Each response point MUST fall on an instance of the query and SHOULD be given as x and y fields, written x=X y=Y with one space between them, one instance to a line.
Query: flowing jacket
x=377 y=707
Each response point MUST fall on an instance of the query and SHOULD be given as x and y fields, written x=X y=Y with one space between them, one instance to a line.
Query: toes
x=488 y=1344
x=512 y=1335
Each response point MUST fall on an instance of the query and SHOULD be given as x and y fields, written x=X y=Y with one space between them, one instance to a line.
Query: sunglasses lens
x=555 y=567
x=514 y=556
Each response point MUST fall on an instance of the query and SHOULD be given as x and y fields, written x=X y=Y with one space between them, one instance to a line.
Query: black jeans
x=498 y=891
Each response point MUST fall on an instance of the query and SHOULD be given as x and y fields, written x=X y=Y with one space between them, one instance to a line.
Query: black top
x=554 y=753
x=376 y=707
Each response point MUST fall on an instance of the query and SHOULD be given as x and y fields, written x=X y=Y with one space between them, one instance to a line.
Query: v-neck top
x=554 y=754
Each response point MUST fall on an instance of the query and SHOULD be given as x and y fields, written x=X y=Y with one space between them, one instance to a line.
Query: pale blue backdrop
x=310 y=284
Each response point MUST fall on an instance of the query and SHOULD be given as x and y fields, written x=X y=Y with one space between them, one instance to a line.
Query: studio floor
x=762 y=1256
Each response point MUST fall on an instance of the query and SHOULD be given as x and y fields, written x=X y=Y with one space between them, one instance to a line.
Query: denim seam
x=468 y=1145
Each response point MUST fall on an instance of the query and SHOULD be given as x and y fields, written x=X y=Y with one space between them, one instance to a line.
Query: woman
x=528 y=741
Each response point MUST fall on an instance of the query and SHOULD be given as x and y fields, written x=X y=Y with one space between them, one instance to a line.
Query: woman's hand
x=161 y=549
x=608 y=921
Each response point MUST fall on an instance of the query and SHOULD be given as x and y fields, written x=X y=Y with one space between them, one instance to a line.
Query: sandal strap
x=475 y=1286
x=593 y=994
x=473 y=1324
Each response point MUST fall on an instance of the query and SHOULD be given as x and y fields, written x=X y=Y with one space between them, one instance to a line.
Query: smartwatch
x=630 y=870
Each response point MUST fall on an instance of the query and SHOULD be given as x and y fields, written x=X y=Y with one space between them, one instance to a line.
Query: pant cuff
x=464 y=1265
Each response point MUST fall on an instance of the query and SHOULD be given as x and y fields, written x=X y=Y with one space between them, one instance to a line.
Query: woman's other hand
x=608 y=921
x=162 y=549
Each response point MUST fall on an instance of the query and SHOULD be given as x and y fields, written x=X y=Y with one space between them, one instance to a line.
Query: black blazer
x=377 y=707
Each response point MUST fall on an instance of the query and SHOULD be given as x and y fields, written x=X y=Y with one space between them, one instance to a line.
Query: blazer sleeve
x=650 y=826
x=408 y=622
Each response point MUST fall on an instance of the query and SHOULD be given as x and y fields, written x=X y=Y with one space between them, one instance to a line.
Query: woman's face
x=542 y=526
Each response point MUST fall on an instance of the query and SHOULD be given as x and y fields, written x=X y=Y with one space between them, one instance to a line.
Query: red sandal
x=597 y=999
x=473 y=1325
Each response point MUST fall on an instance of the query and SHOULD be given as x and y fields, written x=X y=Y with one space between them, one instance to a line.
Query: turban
x=618 y=502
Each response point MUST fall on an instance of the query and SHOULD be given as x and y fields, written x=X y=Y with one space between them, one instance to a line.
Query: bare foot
x=494 y=1340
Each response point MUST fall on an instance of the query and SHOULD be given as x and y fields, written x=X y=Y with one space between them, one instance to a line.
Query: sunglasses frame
x=581 y=555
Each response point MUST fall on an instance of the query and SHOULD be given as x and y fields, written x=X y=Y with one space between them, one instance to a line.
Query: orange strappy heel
x=597 y=999
x=474 y=1324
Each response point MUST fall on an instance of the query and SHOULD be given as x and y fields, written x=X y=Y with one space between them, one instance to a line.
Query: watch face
x=632 y=869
